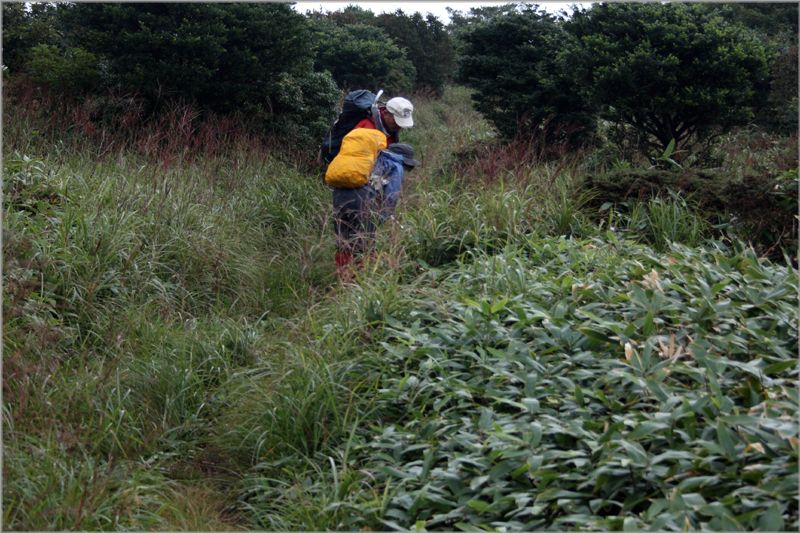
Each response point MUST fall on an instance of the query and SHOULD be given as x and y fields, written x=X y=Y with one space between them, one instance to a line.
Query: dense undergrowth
x=178 y=354
x=568 y=384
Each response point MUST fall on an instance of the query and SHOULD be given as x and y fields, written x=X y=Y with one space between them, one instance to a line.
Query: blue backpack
x=387 y=180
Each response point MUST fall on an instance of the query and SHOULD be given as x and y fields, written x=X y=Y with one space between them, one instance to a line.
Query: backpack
x=353 y=164
x=357 y=106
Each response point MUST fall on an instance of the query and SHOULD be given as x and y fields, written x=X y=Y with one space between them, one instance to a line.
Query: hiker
x=358 y=210
x=362 y=109
x=351 y=151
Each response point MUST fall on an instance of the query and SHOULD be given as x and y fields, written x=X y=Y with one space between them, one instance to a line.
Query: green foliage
x=770 y=18
x=512 y=60
x=669 y=220
x=503 y=411
x=760 y=207
x=673 y=71
x=130 y=296
x=178 y=356
x=427 y=45
x=221 y=55
x=361 y=56
x=43 y=475
x=563 y=384
x=352 y=14
x=25 y=26
x=302 y=107
x=225 y=58
x=73 y=72
x=410 y=53
x=781 y=110
x=460 y=21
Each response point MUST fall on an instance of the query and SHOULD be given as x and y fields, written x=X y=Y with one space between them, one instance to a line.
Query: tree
x=460 y=21
x=361 y=56
x=672 y=71
x=510 y=57
x=427 y=45
x=352 y=14
x=222 y=56
x=777 y=23
x=73 y=72
x=251 y=58
x=770 y=18
x=25 y=27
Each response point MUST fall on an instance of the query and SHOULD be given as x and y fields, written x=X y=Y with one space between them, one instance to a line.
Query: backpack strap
x=376 y=115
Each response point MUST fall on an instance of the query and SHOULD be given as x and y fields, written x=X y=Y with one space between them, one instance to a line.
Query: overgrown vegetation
x=647 y=66
x=177 y=354
x=546 y=338
x=583 y=384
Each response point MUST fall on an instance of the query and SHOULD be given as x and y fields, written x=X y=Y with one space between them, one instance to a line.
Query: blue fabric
x=389 y=167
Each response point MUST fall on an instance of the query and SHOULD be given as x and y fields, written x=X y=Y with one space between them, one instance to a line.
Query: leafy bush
x=777 y=23
x=254 y=59
x=25 y=26
x=760 y=207
x=561 y=385
x=361 y=56
x=782 y=104
x=73 y=72
x=303 y=107
x=512 y=61
x=504 y=412
x=220 y=55
x=427 y=45
x=672 y=71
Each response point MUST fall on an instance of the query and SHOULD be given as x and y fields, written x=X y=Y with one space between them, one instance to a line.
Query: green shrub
x=757 y=206
x=428 y=46
x=521 y=85
x=567 y=383
x=360 y=56
x=672 y=71
x=74 y=71
x=255 y=59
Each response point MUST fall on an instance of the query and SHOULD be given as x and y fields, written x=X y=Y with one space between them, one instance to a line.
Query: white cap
x=401 y=110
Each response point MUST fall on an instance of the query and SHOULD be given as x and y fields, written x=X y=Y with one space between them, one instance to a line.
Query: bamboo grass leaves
x=625 y=391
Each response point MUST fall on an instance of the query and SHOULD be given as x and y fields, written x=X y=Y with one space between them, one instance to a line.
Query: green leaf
x=578 y=395
x=635 y=452
x=479 y=505
x=536 y=434
x=669 y=150
x=772 y=519
x=497 y=306
x=395 y=472
x=725 y=439
x=777 y=368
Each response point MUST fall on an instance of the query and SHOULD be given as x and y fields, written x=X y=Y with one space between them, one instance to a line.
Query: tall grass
x=133 y=291
x=177 y=351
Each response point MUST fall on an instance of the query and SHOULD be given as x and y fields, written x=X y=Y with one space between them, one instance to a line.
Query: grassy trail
x=135 y=293
x=179 y=356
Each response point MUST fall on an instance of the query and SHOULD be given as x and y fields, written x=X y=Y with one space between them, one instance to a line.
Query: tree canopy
x=669 y=70
x=511 y=58
x=426 y=44
x=361 y=56
x=672 y=71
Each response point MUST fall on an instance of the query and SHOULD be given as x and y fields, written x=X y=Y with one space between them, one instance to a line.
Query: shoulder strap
x=376 y=115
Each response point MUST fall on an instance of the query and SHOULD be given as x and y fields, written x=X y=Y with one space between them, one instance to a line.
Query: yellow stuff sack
x=352 y=165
